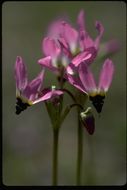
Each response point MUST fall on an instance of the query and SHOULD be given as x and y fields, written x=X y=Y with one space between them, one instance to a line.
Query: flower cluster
x=68 y=53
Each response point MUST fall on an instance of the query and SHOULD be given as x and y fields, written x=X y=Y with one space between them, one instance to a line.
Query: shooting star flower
x=30 y=93
x=86 y=82
x=67 y=46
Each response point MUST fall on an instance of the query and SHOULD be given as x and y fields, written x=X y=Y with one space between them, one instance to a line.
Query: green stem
x=78 y=105
x=69 y=93
x=55 y=157
x=79 y=152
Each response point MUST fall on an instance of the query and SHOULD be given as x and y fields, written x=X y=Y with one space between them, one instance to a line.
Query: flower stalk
x=68 y=53
x=79 y=151
x=55 y=157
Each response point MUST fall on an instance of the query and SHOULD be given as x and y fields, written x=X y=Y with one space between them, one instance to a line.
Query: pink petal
x=70 y=69
x=32 y=89
x=87 y=56
x=88 y=41
x=57 y=93
x=75 y=82
x=81 y=20
x=100 y=29
x=69 y=34
x=84 y=39
x=50 y=47
x=20 y=74
x=46 y=62
x=26 y=92
x=64 y=47
x=55 y=29
x=48 y=94
x=87 y=78
x=60 y=30
x=106 y=75
x=35 y=82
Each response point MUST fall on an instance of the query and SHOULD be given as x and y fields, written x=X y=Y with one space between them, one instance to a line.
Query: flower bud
x=88 y=120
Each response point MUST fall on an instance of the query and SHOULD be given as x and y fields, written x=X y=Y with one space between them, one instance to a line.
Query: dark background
x=27 y=138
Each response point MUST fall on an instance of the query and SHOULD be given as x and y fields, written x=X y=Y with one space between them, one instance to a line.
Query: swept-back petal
x=100 y=30
x=87 y=78
x=81 y=20
x=54 y=29
x=20 y=73
x=47 y=63
x=64 y=47
x=84 y=38
x=50 y=47
x=32 y=89
x=87 y=56
x=36 y=83
x=70 y=35
x=106 y=75
x=73 y=80
x=48 y=94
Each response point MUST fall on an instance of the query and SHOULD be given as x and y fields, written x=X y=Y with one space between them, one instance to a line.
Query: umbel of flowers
x=72 y=51
x=68 y=53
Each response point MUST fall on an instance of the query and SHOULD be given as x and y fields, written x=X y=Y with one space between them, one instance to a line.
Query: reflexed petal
x=20 y=74
x=87 y=56
x=106 y=75
x=26 y=92
x=54 y=30
x=46 y=62
x=88 y=41
x=100 y=29
x=84 y=39
x=70 y=35
x=81 y=20
x=50 y=47
x=32 y=89
x=66 y=35
x=64 y=47
x=36 y=83
x=81 y=58
x=57 y=93
x=47 y=94
x=87 y=78
x=75 y=82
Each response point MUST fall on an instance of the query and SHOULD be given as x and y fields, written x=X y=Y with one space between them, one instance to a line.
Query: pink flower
x=85 y=40
x=86 y=82
x=29 y=93
x=66 y=46
x=52 y=52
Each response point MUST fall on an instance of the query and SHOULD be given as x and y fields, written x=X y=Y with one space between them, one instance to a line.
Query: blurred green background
x=27 y=138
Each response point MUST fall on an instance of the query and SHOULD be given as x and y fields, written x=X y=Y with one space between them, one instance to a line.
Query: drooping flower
x=88 y=120
x=29 y=93
x=86 y=82
x=66 y=46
